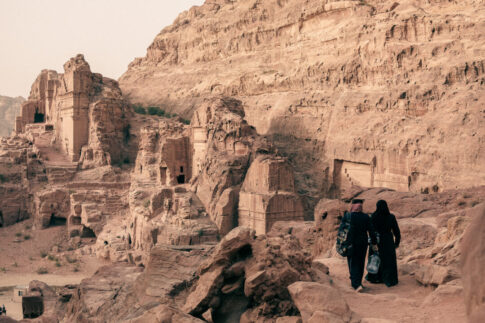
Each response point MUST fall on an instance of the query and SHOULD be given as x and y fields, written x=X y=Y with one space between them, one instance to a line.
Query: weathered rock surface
x=224 y=146
x=379 y=103
x=473 y=258
x=246 y=278
x=101 y=297
x=319 y=302
x=9 y=109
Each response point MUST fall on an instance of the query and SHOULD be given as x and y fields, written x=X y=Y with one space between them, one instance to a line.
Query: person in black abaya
x=387 y=228
x=360 y=231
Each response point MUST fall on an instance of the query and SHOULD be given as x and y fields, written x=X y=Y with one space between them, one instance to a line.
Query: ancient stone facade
x=82 y=107
x=268 y=195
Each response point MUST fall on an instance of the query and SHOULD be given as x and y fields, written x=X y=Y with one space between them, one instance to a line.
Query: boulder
x=319 y=301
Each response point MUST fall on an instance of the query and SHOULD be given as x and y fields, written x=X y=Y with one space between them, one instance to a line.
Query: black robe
x=389 y=239
x=360 y=231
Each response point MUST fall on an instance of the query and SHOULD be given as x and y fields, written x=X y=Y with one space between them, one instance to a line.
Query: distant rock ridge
x=379 y=93
x=9 y=109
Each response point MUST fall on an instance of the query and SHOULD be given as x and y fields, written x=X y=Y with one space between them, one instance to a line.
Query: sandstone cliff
x=9 y=109
x=378 y=93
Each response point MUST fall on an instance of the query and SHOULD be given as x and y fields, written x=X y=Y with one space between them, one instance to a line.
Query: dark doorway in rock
x=56 y=220
x=32 y=306
x=87 y=233
x=38 y=117
x=1 y=219
x=181 y=179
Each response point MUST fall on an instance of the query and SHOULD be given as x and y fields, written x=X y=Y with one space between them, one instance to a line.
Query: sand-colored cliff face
x=380 y=93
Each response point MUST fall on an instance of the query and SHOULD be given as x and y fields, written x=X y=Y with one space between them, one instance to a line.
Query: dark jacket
x=361 y=229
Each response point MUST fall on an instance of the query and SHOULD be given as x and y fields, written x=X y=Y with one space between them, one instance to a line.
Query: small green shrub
x=75 y=269
x=28 y=226
x=146 y=203
x=52 y=258
x=58 y=264
x=27 y=237
x=18 y=234
x=70 y=260
x=185 y=121
x=140 y=110
x=43 y=254
x=42 y=271
x=3 y=179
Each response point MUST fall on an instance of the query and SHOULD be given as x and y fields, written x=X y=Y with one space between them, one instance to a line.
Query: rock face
x=84 y=109
x=9 y=109
x=20 y=169
x=366 y=100
x=131 y=294
x=473 y=258
x=223 y=148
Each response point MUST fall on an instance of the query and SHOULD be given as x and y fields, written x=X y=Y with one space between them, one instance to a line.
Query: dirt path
x=408 y=302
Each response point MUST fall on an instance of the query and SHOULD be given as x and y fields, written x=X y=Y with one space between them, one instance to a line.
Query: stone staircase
x=60 y=173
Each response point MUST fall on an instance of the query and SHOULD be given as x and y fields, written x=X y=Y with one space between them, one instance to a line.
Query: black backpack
x=344 y=246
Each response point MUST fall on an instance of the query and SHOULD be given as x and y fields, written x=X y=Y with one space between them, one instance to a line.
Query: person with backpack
x=389 y=238
x=359 y=230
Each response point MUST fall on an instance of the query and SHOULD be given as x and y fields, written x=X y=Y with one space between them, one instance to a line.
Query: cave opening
x=181 y=179
x=38 y=117
x=56 y=220
x=87 y=233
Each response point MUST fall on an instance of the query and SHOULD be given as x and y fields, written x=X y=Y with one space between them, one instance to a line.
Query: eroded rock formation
x=361 y=86
x=472 y=260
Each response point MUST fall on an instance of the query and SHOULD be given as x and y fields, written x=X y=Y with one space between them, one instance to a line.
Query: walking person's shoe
x=359 y=289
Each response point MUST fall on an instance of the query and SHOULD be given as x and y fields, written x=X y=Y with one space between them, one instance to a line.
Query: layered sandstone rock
x=246 y=278
x=472 y=265
x=131 y=294
x=223 y=148
x=20 y=169
x=380 y=94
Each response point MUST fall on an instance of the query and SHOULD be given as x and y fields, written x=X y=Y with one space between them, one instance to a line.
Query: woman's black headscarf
x=381 y=217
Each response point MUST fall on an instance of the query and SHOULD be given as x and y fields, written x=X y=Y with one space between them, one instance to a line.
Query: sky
x=44 y=34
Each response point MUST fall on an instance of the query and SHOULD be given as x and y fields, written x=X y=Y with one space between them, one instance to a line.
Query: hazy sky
x=44 y=34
